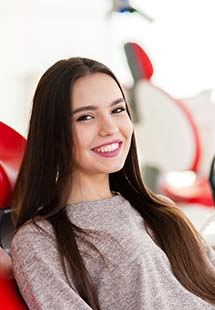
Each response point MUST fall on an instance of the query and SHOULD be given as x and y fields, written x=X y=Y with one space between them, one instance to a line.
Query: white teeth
x=108 y=148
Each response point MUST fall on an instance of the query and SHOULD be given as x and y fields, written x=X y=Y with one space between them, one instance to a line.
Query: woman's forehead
x=95 y=89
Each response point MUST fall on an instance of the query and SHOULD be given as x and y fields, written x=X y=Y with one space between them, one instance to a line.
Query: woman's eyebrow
x=93 y=107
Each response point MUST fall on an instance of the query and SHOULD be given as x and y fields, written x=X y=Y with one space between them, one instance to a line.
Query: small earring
x=57 y=175
x=129 y=182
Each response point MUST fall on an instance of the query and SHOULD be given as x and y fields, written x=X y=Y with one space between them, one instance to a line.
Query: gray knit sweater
x=135 y=275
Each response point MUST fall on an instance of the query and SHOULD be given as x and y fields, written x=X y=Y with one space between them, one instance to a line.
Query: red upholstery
x=10 y=298
x=144 y=62
x=198 y=149
x=198 y=193
x=5 y=187
x=12 y=146
x=138 y=61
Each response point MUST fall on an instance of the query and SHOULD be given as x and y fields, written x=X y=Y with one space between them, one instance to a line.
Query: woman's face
x=102 y=129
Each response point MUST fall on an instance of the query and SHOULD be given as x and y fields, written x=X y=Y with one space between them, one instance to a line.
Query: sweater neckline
x=116 y=199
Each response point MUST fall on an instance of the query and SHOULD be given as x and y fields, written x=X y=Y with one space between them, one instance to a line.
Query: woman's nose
x=108 y=127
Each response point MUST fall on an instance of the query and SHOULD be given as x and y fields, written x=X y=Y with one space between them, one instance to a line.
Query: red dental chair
x=12 y=147
x=169 y=137
x=212 y=177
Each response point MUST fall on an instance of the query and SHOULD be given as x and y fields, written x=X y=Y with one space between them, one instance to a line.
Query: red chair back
x=12 y=146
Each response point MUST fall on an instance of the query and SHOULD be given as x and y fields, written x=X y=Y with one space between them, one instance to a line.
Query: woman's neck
x=89 y=188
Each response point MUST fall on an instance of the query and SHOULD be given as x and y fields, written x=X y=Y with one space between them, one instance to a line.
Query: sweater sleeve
x=39 y=274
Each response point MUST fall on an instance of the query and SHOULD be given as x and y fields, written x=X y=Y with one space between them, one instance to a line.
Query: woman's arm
x=5 y=265
x=39 y=274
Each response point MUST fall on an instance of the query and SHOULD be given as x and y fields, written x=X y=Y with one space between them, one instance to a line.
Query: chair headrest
x=138 y=62
x=12 y=146
x=212 y=177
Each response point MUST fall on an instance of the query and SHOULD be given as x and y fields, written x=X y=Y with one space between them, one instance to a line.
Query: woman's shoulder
x=33 y=232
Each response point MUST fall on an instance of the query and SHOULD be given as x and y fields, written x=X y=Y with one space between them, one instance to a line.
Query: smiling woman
x=102 y=132
x=90 y=234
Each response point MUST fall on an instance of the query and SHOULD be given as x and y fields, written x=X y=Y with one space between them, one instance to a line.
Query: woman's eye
x=118 y=110
x=85 y=118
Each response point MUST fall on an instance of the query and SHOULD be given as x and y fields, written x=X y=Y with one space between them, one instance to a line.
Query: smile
x=109 y=150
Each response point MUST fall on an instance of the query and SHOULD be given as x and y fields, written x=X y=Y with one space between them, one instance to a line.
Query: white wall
x=180 y=42
x=34 y=34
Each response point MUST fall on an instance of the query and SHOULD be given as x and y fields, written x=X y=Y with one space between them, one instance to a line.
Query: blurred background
x=162 y=52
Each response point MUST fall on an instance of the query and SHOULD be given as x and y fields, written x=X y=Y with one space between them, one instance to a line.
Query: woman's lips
x=109 y=153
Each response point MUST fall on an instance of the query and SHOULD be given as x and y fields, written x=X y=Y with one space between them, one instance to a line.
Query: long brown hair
x=44 y=183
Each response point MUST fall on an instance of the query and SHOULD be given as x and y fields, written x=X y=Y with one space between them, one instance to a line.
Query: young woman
x=90 y=235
